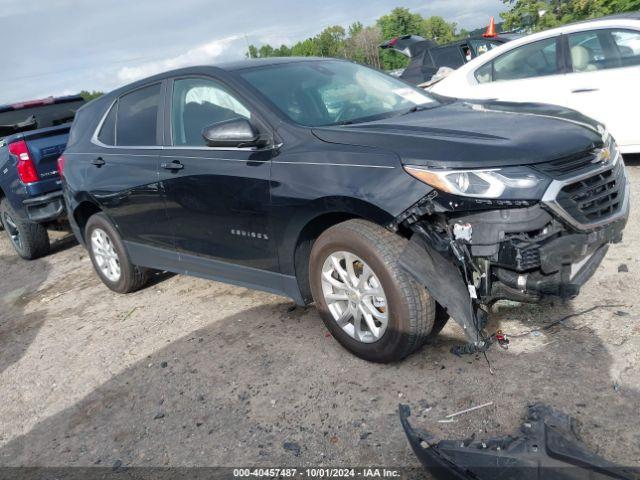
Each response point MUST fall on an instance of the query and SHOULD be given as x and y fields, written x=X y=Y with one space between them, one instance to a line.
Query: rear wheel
x=30 y=240
x=367 y=301
x=110 y=258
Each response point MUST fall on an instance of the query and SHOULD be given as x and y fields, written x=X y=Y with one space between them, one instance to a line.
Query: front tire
x=110 y=258
x=368 y=302
x=30 y=240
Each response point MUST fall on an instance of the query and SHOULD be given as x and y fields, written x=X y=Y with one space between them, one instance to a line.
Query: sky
x=59 y=47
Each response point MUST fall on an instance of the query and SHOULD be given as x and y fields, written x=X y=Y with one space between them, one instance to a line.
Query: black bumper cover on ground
x=546 y=446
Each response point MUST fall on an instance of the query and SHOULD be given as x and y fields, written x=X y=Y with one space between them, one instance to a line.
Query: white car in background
x=592 y=67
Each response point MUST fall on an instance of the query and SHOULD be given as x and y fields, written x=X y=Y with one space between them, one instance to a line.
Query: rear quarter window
x=107 y=134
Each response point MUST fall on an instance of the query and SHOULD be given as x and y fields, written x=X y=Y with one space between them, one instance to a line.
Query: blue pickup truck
x=32 y=137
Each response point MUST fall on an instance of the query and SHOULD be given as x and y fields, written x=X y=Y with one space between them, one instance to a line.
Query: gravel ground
x=189 y=372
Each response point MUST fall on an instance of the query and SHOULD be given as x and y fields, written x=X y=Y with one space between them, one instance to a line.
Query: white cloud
x=203 y=54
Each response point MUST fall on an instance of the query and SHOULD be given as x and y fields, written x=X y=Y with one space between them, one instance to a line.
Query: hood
x=464 y=134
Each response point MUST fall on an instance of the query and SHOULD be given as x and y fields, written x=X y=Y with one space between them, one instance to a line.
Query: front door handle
x=98 y=162
x=175 y=165
x=585 y=90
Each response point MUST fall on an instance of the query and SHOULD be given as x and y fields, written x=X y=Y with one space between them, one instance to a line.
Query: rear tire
x=30 y=240
x=407 y=306
x=110 y=258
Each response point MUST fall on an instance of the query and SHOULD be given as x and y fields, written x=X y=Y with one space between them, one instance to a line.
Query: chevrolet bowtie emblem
x=603 y=157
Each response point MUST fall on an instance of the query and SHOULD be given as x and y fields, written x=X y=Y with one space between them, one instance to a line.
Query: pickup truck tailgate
x=45 y=146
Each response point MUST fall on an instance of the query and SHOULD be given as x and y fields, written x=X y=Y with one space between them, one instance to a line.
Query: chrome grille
x=594 y=198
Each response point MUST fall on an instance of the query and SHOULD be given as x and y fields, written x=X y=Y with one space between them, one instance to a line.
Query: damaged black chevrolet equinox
x=329 y=182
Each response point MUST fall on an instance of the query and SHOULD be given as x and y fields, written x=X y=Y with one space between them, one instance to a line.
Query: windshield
x=320 y=93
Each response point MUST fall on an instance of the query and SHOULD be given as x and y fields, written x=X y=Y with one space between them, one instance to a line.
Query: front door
x=529 y=73
x=218 y=200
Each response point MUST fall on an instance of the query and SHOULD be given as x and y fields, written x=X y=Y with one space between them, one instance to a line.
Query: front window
x=198 y=103
x=318 y=93
x=537 y=59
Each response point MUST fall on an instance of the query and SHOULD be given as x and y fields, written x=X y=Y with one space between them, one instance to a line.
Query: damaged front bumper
x=546 y=446
x=470 y=257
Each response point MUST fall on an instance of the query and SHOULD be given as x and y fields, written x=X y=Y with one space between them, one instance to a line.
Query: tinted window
x=35 y=117
x=198 y=103
x=138 y=117
x=448 y=57
x=107 y=133
x=603 y=49
x=536 y=59
x=333 y=92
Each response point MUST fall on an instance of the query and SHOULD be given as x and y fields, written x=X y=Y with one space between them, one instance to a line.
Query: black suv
x=327 y=181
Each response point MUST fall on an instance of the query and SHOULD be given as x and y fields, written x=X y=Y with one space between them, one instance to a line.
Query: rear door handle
x=175 y=165
x=585 y=90
x=98 y=162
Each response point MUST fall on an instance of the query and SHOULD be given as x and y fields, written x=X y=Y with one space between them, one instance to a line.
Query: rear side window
x=137 y=117
x=604 y=49
x=537 y=59
x=107 y=133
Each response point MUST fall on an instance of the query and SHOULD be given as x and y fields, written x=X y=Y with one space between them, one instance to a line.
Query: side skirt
x=193 y=265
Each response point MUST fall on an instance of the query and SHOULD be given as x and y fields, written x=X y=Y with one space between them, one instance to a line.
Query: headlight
x=511 y=183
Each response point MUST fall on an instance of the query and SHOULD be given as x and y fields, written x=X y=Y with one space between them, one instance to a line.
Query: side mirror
x=237 y=132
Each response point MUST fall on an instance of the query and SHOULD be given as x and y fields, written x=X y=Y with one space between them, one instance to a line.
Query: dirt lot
x=190 y=372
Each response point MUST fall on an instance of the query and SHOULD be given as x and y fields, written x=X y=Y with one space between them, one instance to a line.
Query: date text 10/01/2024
x=316 y=473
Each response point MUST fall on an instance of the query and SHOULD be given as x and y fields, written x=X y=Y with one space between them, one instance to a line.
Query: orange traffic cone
x=491 y=29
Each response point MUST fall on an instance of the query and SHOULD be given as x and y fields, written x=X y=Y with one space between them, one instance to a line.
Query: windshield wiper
x=414 y=109
x=346 y=122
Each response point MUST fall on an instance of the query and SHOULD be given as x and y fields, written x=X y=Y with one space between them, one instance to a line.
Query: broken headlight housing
x=509 y=183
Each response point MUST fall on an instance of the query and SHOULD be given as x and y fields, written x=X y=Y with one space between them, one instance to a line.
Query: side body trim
x=196 y=266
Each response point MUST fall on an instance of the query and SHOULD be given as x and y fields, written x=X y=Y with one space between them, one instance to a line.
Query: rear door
x=218 y=199
x=123 y=170
x=605 y=75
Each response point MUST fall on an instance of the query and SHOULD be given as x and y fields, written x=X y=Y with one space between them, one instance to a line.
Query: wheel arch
x=81 y=214
x=314 y=226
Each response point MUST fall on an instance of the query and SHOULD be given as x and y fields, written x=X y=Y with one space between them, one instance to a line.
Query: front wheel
x=367 y=301
x=110 y=258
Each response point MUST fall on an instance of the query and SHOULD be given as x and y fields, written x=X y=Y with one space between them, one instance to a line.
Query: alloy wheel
x=105 y=255
x=12 y=230
x=355 y=297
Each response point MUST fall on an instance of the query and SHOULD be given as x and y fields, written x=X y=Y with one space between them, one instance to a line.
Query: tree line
x=360 y=43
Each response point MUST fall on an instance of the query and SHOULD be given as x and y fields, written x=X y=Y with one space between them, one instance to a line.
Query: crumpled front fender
x=442 y=278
